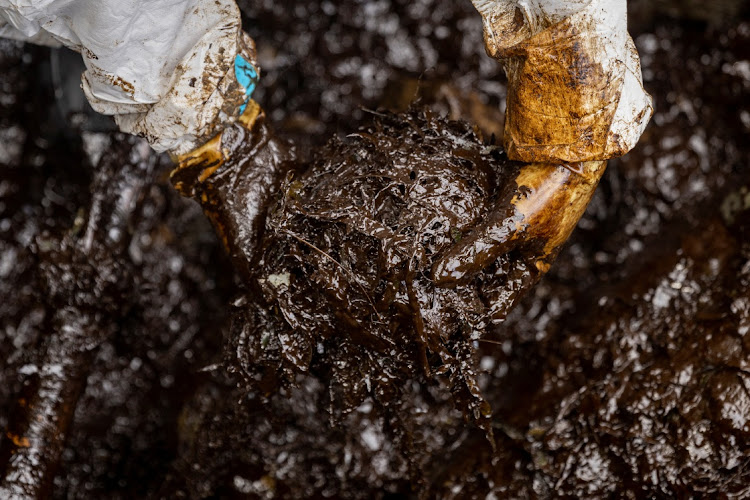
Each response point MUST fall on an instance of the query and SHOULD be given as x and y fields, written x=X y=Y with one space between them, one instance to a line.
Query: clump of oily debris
x=344 y=286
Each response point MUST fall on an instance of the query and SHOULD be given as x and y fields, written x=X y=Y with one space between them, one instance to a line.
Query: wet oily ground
x=623 y=373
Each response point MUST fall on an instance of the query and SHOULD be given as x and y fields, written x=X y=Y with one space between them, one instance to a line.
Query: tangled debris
x=344 y=275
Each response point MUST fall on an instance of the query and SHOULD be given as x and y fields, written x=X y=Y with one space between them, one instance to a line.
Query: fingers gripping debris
x=575 y=87
x=575 y=99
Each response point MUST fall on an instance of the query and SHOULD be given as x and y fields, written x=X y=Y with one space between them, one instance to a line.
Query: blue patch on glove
x=247 y=76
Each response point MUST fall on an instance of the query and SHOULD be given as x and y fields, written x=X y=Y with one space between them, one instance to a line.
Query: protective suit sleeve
x=172 y=71
x=575 y=90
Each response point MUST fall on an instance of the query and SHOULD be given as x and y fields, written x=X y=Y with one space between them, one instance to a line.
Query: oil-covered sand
x=623 y=373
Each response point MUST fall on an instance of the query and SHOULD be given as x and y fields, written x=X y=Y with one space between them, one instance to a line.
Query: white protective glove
x=575 y=91
x=173 y=71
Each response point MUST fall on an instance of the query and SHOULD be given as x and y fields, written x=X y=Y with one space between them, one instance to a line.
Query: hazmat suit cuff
x=204 y=97
x=575 y=90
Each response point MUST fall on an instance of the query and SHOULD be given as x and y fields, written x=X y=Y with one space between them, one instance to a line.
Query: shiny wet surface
x=624 y=370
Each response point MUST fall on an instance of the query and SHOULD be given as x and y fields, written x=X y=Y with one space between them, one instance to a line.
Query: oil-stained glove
x=575 y=90
x=173 y=71
x=234 y=176
x=535 y=217
x=575 y=99
x=181 y=74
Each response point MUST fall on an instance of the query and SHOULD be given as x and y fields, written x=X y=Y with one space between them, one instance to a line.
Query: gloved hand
x=536 y=217
x=174 y=72
x=234 y=176
x=181 y=74
x=575 y=99
x=575 y=91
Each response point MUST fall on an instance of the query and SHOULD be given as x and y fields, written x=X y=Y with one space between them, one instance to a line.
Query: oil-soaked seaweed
x=344 y=271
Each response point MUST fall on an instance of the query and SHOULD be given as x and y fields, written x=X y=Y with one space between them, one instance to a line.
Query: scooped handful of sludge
x=344 y=267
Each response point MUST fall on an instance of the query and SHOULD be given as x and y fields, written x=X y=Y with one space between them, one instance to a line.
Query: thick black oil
x=623 y=373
